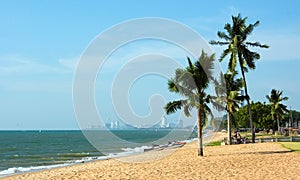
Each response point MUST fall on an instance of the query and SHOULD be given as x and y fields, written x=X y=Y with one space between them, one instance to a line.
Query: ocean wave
x=15 y=170
x=137 y=149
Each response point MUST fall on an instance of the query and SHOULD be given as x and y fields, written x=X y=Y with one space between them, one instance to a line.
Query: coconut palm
x=191 y=84
x=235 y=38
x=228 y=96
x=277 y=109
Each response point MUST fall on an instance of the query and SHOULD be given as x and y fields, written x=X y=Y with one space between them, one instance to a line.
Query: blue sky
x=41 y=43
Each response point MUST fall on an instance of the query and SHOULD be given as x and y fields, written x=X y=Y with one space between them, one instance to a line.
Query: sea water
x=23 y=151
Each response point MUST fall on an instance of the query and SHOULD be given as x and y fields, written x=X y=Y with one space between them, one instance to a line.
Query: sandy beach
x=246 y=161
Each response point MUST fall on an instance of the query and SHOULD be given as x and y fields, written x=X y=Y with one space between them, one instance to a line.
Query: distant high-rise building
x=111 y=125
x=163 y=122
x=180 y=124
x=117 y=124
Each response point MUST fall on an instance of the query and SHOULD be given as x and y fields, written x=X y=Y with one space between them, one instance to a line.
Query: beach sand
x=245 y=161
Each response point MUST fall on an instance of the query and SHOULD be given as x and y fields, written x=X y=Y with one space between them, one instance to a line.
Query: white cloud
x=54 y=86
x=15 y=64
x=22 y=74
x=69 y=63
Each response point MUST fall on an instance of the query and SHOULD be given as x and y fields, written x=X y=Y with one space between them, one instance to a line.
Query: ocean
x=24 y=151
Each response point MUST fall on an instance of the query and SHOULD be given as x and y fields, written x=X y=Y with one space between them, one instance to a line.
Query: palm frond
x=186 y=109
x=212 y=42
x=174 y=106
x=205 y=65
x=248 y=30
x=183 y=90
x=228 y=28
x=172 y=86
x=257 y=44
x=219 y=103
x=223 y=35
x=224 y=54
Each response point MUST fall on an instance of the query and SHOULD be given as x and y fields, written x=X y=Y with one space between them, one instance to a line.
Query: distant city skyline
x=119 y=125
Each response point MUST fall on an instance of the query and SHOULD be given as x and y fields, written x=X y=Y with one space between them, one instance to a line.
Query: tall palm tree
x=228 y=96
x=277 y=109
x=191 y=84
x=235 y=38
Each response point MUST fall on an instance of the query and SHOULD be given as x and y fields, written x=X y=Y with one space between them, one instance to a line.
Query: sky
x=41 y=43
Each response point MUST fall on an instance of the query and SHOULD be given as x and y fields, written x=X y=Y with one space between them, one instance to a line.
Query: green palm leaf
x=191 y=84
x=235 y=37
x=277 y=108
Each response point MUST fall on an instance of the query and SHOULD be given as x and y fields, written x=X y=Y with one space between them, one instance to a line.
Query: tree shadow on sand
x=261 y=152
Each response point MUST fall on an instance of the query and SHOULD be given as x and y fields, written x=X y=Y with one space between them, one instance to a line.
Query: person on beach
x=237 y=136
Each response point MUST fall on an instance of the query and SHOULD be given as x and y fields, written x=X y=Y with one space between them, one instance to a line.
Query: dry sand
x=246 y=161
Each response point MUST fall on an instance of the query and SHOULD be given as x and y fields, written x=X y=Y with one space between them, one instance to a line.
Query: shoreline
x=133 y=157
x=219 y=162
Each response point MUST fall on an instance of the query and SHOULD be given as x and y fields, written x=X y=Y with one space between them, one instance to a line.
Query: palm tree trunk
x=249 y=107
x=278 y=125
x=200 y=141
x=273 y=119
x=229 y=128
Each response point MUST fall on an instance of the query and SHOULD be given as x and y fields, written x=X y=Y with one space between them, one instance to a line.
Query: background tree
x=235 y=38
x=228 y=96
x=261 y=116
x=294 y=117
x=191 y=83
x=277 y=108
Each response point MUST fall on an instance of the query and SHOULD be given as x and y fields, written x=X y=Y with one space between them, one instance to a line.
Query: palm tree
x=228 y=96
x=191 y=84
x=277 y=109
x=236 y=40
